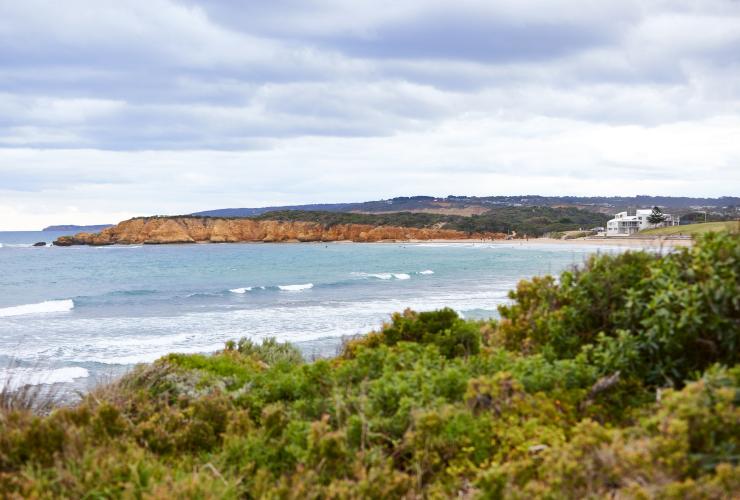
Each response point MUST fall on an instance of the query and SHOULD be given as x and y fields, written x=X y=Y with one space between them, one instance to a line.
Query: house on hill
x=626 y=223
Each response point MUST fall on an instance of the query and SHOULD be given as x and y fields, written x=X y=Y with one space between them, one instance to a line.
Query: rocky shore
x=169 y=230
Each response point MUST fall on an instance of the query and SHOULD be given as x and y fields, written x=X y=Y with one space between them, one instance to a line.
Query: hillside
x=533 y=221
x=694 y=229
x=619 y=379
x=468 y=205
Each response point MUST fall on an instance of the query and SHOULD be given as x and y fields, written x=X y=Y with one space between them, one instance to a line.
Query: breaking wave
x=384 y=276
x=16 y=245
x=14 y=378
x=295 y=288
x=49 y=306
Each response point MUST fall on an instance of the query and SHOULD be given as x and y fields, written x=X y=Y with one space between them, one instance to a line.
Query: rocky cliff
x=163 y=230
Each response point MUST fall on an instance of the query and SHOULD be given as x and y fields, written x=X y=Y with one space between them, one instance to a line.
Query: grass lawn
x=692 y=229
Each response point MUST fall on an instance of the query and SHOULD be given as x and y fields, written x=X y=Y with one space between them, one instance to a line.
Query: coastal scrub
x=618 y=379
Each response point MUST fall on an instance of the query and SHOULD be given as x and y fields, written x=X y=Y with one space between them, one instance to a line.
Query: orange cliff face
x=167 y=230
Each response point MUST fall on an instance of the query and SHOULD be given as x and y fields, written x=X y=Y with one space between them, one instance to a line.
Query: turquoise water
x=74 y=314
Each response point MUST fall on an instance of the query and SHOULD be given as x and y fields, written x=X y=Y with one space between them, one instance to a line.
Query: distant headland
x=398 y=219
x=189 y=229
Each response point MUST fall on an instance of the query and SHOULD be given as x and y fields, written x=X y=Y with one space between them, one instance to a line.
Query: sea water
x=76 y=315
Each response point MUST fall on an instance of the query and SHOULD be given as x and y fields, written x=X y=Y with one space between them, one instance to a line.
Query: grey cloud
x=257 y=70
x=379 y=97
x=450 y=36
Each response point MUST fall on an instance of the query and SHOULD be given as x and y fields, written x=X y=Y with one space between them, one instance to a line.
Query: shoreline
x=626 y=242
x=618 y=242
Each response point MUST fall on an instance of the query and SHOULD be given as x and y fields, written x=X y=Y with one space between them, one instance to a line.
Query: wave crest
x=15 y=378
x=384 y=276
x=295 y=288
x=49 y=306
x=380 y=276
x=16 y=245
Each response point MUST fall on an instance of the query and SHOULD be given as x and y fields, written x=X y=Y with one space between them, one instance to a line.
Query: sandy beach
x=648 y=243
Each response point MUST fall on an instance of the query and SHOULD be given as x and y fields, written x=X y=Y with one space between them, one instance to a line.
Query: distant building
x=625 y=224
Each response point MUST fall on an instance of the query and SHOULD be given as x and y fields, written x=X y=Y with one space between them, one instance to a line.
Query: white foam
x=384 y=276
x=380 y=276
x=14 y=378
x=152 y=355
x=131 y=340
x=49 y=306
x=428 y=271
x=295 y=288
x=117 y=247
x=241 y=290
x=444 y=245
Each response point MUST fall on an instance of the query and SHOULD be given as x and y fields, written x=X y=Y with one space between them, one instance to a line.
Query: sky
x=116 y=108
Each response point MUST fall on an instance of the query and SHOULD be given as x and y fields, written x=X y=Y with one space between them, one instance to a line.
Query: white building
x=624 y=224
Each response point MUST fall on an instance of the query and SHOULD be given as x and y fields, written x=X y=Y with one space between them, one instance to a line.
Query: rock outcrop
x=166 y=230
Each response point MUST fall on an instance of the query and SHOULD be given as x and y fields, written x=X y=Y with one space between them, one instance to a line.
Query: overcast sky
x=116 y=108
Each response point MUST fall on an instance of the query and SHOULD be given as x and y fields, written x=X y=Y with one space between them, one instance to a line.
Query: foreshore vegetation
x=618 y=379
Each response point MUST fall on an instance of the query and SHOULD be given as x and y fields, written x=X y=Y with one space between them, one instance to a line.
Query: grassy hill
x=694 y=229
x=619 y=379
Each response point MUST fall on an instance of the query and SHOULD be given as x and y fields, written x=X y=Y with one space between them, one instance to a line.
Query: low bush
x=443 y=328
x=270 y=350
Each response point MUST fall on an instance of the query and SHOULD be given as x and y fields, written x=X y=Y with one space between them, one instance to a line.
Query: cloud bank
x=110 y=109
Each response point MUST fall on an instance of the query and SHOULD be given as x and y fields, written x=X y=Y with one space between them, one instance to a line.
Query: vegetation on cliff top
x=725 y=206
x=533 y=221
x=620 y=378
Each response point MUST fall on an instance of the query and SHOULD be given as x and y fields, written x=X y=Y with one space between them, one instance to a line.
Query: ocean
x=78 y=315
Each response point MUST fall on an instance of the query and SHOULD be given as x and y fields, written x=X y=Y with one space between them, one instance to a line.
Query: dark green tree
x=656 y=217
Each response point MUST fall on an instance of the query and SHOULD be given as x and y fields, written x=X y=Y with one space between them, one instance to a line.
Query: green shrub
x=270 y=351
x=659 y=319
x=444 y=328
x=686 y=446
